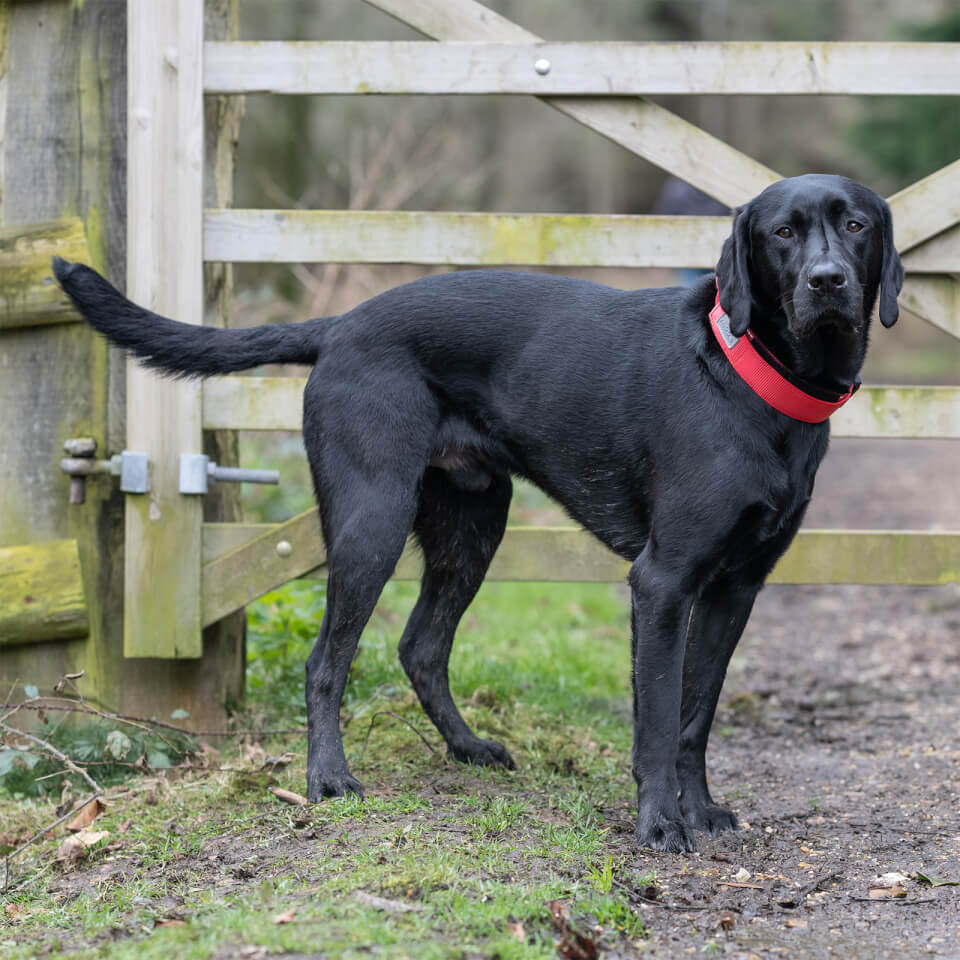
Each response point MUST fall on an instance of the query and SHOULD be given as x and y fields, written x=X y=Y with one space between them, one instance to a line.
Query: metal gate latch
x=130 y=467
x=197 y=470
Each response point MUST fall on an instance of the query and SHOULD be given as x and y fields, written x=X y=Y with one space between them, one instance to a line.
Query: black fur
x=619 y=404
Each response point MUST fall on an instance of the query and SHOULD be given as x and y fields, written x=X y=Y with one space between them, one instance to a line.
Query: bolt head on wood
x=284 y=549
x=542 y=66
x=80 y=446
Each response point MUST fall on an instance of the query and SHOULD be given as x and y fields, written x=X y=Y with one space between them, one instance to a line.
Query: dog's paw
x=711 y=819
x=320 y=786
x=670 y=834
x=483 y=753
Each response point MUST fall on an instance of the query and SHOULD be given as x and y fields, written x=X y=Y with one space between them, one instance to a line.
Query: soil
x=836 y=743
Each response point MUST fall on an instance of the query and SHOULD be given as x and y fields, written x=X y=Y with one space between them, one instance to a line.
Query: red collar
x=768 y=377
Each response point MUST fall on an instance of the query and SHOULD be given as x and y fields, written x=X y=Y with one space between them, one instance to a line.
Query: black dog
x=627 y=407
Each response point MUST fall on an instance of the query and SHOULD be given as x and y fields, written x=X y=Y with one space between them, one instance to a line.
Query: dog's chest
x=782 y=481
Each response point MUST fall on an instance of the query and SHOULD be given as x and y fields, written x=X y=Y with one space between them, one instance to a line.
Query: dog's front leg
x=660 y=611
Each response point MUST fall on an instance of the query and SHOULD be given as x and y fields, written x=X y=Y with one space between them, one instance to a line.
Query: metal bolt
x=284 y=549
x=542 y=66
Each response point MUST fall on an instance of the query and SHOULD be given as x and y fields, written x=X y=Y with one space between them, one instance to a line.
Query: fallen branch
x=396 y=716
x=71 y=706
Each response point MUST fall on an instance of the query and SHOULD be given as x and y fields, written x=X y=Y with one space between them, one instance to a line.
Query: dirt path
x=838 y=742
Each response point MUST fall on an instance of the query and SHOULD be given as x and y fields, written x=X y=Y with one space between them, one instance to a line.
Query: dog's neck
x=829 y=358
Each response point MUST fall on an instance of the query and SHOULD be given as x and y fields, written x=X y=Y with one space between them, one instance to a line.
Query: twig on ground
x=816 y=882
x=73 y=707
x=396 y=716
x=637 y=898
x=900 y=900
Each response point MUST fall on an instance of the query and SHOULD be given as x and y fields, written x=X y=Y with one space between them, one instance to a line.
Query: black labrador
x=624 y=406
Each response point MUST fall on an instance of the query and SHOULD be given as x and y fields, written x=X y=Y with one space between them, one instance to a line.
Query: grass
x=440 y=860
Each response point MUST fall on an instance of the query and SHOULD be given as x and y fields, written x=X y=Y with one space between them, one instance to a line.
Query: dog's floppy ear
x=733 y=273
x=891 y=273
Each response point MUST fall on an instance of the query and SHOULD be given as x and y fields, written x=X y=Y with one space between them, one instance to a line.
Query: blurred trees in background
x=514 y=153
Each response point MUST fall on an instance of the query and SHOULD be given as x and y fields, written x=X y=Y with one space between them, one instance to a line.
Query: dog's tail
x=181 y=349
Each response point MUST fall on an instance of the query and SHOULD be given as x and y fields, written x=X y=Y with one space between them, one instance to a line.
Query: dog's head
x=814 y=250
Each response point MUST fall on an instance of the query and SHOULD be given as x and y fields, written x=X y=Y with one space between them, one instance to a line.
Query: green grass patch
x=440 y=860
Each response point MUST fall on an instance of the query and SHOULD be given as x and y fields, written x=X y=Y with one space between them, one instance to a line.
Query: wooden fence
x=181 y=573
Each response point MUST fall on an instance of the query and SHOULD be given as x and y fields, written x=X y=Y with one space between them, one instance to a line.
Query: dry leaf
x=797 y=924
x=517 y=931
x=72 y=850
x=742 y=875
x=727 y=920
x=91 y=837
x=287 y=796
x=86 y=816
x=286 y=917
x=169 y=922
x=125 y=826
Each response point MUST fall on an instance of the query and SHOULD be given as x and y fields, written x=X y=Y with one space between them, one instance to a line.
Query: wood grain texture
x=465 y=239
x=596 y=68
x=239 y=576
x=570 y=554
x=62 y=133
x=488 y=239
x=162 y=612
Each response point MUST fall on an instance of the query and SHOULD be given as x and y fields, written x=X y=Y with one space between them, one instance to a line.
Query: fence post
x=162 y=580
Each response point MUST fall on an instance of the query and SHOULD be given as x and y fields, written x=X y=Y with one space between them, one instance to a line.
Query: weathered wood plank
x=926 y=207
x=477 y=239
x=41 y=593
x=596 y=68
x=253 y=403
x=162 y=610
x=236 y=578
x=935 y=299
x=275 y=403
x=570 y=554
x=62 y=134
x=938 y=254
x=928 y=412
x=464 y=239
x=28 y=295
x=640 y=126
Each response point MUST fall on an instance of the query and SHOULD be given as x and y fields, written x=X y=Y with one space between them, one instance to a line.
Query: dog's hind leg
x=716 y=624
x=367 y=485
x=360 y=560
x=459 y=531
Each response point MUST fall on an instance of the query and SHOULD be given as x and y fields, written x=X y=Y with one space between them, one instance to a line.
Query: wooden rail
x=242 y=562
x=581 y=69
x=487 y=239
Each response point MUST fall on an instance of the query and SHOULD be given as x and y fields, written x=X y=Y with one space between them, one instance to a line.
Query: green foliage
x=909 y=137
x=108 y=748
x=601 y=875
x=530 y=642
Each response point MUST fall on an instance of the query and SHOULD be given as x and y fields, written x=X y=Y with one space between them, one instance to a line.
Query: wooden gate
x=182 y=574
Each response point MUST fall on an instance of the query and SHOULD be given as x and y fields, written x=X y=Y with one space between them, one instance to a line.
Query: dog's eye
x=785 y=232
x=854 y=226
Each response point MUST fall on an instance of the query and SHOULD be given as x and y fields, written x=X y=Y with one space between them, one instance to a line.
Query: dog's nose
x=826 y=277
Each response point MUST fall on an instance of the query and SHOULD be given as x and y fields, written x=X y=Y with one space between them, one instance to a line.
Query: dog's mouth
x=807 y=318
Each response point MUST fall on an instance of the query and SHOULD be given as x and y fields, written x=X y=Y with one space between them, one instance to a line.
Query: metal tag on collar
x=723 y=325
